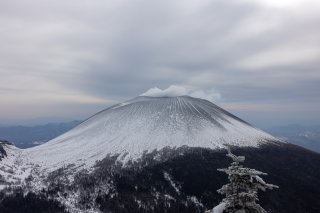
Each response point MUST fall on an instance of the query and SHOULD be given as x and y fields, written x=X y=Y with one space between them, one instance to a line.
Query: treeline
x=30 y=203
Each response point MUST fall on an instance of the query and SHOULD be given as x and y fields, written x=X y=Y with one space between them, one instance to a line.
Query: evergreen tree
x=241 y=192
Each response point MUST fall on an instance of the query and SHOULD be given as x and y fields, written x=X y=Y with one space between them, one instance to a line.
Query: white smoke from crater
x=174 y=90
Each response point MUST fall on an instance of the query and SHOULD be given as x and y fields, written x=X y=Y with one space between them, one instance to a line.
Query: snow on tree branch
x=241 y=193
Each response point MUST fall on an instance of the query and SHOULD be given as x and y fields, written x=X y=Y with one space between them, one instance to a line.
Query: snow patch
x=219 y=208
x=195 y=201
x=173 y=184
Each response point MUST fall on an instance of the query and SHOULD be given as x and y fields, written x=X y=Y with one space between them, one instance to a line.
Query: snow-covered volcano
x=145 y=124
x=152 y=154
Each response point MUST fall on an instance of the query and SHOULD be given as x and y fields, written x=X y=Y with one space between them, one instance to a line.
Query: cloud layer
x=91 y=54
x=174 y=90
x=171 y=91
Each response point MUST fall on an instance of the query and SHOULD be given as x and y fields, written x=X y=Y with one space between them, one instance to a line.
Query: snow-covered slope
x=145 y=124
x=11 y=169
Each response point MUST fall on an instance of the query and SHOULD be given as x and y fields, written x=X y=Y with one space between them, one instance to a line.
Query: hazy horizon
x=249 y=117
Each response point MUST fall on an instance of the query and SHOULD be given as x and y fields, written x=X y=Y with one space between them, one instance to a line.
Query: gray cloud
x=99 y=53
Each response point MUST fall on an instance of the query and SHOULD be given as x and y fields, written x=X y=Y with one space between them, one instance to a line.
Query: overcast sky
x=259 y=59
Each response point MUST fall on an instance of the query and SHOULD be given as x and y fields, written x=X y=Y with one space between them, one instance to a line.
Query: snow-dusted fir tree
x=241 y=192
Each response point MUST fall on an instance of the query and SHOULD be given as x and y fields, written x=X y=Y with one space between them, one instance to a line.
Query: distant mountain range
x=305 y=136
x=29 y=136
